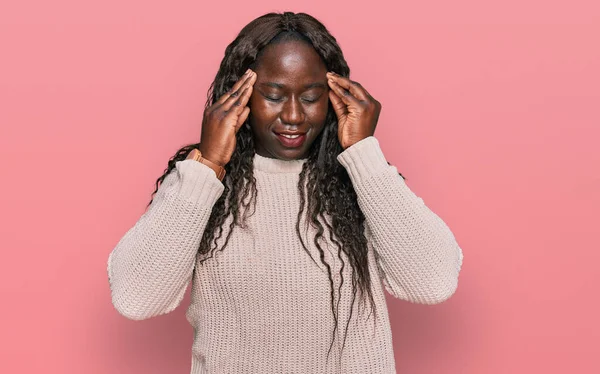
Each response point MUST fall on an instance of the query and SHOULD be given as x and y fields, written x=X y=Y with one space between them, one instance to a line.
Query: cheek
x=318 y=113
x=255 y=107
x=262 y=114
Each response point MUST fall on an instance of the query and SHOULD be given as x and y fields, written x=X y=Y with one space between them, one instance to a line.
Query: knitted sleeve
x=152 y=264
x=417 y=255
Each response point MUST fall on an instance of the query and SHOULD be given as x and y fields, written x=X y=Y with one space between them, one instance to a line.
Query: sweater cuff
x=198 y=182
x=363 y=158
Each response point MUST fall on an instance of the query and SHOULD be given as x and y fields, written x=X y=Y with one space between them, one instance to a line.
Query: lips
x=289 y=133
x=296 y=141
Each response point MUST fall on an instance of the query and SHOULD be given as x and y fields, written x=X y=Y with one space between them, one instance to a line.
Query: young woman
x=286 y=218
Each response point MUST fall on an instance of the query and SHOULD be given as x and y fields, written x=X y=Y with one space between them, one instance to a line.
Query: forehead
x=290 y=60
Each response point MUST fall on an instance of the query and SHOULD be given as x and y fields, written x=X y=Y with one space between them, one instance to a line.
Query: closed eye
x=274 y=99
x=278 y=99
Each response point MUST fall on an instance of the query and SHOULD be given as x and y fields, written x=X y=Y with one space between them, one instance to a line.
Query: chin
x=290 y=154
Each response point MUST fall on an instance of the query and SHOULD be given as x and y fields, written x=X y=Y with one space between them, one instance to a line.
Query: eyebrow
x=306 y=86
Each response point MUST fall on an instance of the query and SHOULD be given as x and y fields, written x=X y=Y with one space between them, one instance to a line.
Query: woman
x=310 y=221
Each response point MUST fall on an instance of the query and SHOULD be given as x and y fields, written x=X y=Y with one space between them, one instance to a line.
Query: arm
x=417 y=254
x=152 y=264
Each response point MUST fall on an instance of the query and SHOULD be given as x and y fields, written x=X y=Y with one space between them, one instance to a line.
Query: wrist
x=196 y=154
x=213 y=159
x=206 y=154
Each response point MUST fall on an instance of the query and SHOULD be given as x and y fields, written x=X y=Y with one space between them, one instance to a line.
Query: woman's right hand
x=223 y=119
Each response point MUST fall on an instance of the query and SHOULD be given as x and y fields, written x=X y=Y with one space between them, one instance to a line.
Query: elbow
x=138 y=308
x=142 y=305
x=432 y=295
x=130 y=313
x=435 y=291
x=140 y=312
x=432 y=281
x=440 y=294
x=129 y=310
x=443 y=287
x=124 y=302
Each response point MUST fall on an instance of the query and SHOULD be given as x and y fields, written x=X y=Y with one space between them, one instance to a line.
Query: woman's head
x=290 y=96
x=291 y=54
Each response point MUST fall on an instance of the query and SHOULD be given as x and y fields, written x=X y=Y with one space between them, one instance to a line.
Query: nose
x=292 y=112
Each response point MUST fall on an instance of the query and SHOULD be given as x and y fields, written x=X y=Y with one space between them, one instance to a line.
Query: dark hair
x=328 y=184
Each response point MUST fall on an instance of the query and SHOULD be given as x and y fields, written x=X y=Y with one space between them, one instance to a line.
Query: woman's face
x=290 y=95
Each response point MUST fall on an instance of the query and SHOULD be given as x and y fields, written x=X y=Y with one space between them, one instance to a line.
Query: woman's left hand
x=357 y=111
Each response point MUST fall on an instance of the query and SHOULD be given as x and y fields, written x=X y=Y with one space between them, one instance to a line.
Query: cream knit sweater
x=262 y=305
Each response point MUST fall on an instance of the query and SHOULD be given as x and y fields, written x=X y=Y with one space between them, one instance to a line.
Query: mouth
x=291 y=139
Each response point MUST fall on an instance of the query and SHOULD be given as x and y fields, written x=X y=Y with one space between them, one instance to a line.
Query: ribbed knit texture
x=262 y=305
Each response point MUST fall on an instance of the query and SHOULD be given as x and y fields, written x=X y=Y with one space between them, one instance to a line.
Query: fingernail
x=247 y=72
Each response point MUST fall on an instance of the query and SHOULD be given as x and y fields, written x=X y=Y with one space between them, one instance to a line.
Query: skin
x=290 y=93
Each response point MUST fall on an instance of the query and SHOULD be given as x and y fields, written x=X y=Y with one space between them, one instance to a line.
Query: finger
x=239 y=98
x=238 y=107
x=354 y=87
x=234 y=105
x=242 y=118
x=236 y=87
x=338 y=105
x=342 y=93
x=238 y=93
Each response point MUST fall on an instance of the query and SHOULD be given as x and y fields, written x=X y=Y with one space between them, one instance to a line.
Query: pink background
x=490 y=109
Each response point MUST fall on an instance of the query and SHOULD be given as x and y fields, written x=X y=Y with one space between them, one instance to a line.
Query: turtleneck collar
x=275 y=165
